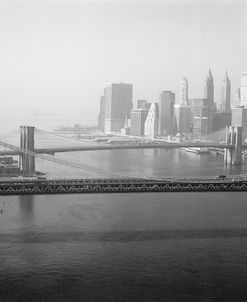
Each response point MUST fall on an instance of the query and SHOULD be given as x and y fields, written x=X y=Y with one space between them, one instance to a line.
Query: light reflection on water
x=126 y=247
x=150 y=162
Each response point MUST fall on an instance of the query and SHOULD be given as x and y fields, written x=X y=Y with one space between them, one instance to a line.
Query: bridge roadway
x=95 y=147
x=32 y=186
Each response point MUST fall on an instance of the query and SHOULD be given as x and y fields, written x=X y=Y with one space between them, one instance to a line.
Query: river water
x=126 y=247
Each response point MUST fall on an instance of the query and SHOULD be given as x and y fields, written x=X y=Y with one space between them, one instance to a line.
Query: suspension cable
x=62 y=161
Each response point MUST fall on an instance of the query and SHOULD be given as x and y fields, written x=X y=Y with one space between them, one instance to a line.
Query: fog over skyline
x=56 y=56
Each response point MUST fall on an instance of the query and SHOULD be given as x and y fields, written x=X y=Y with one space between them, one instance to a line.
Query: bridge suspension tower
x=233 y=156
x=27 y=160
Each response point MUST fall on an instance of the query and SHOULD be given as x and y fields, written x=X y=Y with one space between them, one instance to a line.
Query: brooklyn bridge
x=29 y=183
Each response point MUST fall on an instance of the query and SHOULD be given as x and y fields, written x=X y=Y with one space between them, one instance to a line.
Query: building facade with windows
x=225 y=100
x=243 y=89
x=182 y=115
x=118 y=103
x=199 y=111
x=166 y=113
x=137 y=124
x=152 y=122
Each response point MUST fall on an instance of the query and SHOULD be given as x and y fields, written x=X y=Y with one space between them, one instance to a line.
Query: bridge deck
x=99 y=147
x=125 y=185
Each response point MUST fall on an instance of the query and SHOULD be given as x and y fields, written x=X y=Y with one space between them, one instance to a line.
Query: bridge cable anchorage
x=63 y=162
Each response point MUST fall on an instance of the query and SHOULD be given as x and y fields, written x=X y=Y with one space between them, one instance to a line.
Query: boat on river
x=197 y=150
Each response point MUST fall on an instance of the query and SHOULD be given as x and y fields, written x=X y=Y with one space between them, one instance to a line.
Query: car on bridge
x=221 y=177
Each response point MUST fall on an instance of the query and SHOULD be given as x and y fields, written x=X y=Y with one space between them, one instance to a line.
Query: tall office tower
x=237 y=97
x=166 y=112
x=209 y=91
x=152 y=121
x=243 y=89
x=138 y=118
x=239 y=119
x=184 y=91
x=225 y=101
x=182 y=114
x=209 y=95
x=118 y=103
x=199 y=110
x=101 y=117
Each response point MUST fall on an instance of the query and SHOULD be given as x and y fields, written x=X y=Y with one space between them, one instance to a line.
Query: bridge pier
x=233 y=156
x=27 y=161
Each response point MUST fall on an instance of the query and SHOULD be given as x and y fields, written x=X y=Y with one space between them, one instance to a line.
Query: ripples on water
x=126 y=247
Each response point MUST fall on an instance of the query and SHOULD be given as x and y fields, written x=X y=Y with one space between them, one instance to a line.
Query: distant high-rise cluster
x=190 y=118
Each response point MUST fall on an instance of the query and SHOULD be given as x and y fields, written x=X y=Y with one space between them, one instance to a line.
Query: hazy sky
x=56 y=56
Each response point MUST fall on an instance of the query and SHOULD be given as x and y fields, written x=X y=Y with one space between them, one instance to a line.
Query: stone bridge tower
x=233 y=156
x=27 y=161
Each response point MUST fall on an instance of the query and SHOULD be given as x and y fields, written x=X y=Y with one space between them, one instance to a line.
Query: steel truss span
x=62 y=186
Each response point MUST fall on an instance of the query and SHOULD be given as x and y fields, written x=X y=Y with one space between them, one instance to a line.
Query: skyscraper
x=243 y=89
x=151 y=123
x=182 y=114
x=237 y=97
x=209 y=96
x=225 y=100
x=209 y=91
x=118 y=103
x=101 y=117
x=138 y=118
x=199 y=109
x=166 y=112
x=184 y=91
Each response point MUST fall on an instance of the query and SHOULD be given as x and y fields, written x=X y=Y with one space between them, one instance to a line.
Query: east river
x=126 y=247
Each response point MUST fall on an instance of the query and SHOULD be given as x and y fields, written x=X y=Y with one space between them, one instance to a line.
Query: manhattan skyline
x=60 y=65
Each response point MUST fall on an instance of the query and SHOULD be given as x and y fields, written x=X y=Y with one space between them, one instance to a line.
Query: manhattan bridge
x=228 y=139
